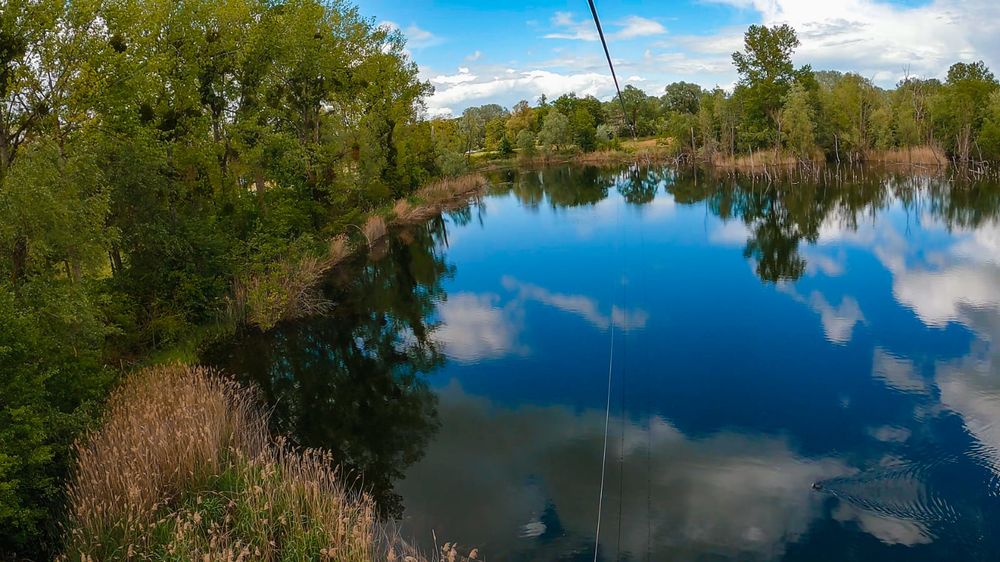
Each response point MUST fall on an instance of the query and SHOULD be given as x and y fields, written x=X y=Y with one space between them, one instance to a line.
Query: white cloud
x=631 y=27
x=580 y=305
x=635 y=26
x=474 y=56
x=523 y=85
x=416 y=37
x=571 y=28
x=473 y=328
x=462 y=77
x=876 y=38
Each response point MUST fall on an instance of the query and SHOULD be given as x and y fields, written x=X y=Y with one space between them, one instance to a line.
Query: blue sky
x=500 y=52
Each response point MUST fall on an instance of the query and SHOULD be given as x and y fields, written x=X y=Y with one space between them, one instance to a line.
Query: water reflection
x=353 y=382
x=805 y=370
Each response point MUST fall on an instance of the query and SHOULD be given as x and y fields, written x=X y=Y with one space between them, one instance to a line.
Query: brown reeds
x=436 y=197
x=184 y=468
x=374 y=230
x=925 y=156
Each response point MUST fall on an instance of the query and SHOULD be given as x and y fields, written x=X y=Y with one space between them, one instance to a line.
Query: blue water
x=800 y=371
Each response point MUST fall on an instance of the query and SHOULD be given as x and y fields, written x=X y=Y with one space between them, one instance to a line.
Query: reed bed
x=436 y=197
x=915 y=155
x=184 y=469
x=763 y=160
x=374 y=230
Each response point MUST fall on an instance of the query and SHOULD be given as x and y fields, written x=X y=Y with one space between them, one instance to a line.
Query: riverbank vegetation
x=167 y=168
x=777 y=114
x=158 y=159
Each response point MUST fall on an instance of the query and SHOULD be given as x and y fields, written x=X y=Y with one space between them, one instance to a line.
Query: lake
x=801 y=370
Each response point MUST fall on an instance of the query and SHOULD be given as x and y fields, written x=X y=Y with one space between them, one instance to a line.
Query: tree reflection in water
x=352 y=381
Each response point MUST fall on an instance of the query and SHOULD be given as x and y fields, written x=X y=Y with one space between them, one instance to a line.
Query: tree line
x=773 y=107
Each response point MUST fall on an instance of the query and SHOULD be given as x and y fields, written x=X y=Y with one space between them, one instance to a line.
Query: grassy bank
x=288 y=289
x=184 y=468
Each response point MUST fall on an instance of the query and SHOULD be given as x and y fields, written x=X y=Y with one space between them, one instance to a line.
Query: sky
x=475 y=53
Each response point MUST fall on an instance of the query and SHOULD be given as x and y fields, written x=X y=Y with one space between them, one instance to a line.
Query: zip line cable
x=607 y=408
x=611 y=65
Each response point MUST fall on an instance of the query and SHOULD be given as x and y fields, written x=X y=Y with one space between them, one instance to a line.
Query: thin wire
x=624 y=377
x=611 y=65
x=607 y=407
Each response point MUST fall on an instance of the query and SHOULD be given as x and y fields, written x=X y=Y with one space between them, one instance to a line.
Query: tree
x=960 y=107
x=584 y=132
x=526 y=143
x=682 y=97
x=989 y=138
x=495 y=132
x=555 y=133
x=505 y=148
x=521 y=117
x=766 y=73
x=797 y=117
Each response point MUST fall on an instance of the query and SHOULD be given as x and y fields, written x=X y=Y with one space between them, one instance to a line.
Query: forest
x=156 y=156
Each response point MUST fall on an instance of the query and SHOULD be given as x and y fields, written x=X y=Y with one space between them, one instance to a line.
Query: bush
x=50 y=384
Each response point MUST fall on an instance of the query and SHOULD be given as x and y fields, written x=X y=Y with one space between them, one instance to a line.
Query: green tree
x=766 y=74
x=989 y=138
x=526 y=143
x=797 y=117
x=682 y=97
x=960 y=108
x=584 y=131
x=556 y=131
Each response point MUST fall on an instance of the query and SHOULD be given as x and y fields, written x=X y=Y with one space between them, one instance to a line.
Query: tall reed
x=184 y=469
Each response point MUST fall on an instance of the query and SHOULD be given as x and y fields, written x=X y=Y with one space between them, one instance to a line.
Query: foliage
x=797 y=116
x=526 y=143
x=555 y=133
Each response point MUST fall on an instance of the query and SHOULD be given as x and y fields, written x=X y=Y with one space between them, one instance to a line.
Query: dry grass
x=374 y=230
x=184 y=469
x=914 y=155
x=758 y=161
x=437 y=197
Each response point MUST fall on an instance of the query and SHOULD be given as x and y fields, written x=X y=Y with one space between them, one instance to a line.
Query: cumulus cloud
x=881 y=39
x=636 y=26
x=571 y=28
x=631 y=27
x=729 y=494
x=473 y=327
x=524 y=85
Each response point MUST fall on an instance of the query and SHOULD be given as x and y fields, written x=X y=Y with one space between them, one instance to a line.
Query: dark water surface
x=801 y=371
